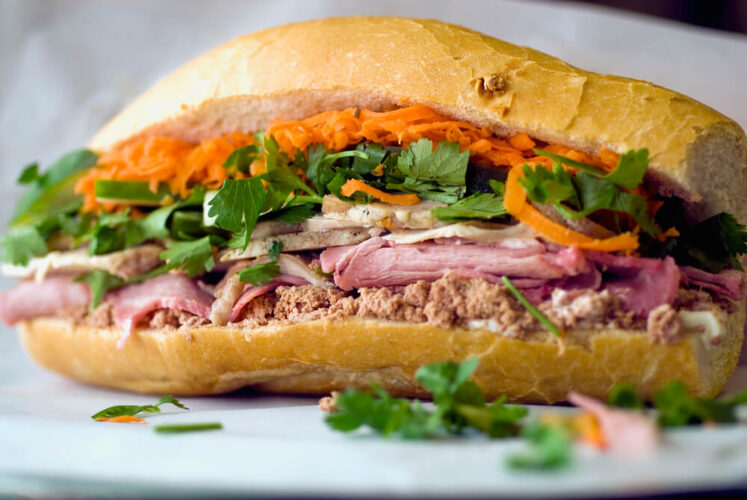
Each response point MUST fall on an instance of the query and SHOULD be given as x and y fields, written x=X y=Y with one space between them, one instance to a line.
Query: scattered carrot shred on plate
x=122 y=419
x=353 y=185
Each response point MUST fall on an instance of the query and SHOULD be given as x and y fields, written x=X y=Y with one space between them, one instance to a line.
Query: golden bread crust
x=296 y=70
x=317 y=357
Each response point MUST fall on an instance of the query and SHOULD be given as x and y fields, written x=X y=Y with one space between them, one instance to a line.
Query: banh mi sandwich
x=338 y=202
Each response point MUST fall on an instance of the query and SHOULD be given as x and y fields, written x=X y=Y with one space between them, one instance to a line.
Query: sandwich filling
x=404 y=215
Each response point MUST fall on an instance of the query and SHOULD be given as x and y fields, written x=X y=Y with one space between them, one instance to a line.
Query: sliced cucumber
x=131 y=193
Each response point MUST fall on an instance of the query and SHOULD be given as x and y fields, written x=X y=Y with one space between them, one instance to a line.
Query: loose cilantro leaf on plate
x=624 y=395
x=21 y=244
x=380 y=412
x=677 y=408
x=237 y=205
x=550 y=447
x=459 y=403
x=194 y=257
x=118 y=411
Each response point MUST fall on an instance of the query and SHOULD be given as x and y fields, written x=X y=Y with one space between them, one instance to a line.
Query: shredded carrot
x=122 y=419
x=521 y=142
x=353 y=185
x=158 y=160
x=516 y=205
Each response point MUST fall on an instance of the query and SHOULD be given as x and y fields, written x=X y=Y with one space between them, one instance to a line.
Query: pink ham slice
x=374 y=263
x=642 y=284
x=625 y=432
x=132 y=303
x=251 y=292
x=730 y=283
x=31 y=299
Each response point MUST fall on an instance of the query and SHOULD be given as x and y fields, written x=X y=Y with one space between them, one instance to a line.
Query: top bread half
x=297 y=70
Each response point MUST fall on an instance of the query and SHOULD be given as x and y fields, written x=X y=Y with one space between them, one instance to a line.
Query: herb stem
x=178 y=428
x=532 y=310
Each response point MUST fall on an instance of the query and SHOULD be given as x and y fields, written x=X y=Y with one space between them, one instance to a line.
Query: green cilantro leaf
x=194 y=257
x=121 y=410
x=19 y=245
x=382 y=413
x=713 y=244
x=321 y=169
x=459 y=403
x=260 y=274
x=630 y=169
x=476 y=206
x=549 y=186
x=291 y=215
x=280 y=173
x=598 y=194
x=242 y=158
x=30 y=174
x=237 y=205
x=443 y=165
x=374 y=156
x=99 y=283
x=497 y=420
x=275 y=248
x=624 y=395
x=550 y=447
x=677 y=408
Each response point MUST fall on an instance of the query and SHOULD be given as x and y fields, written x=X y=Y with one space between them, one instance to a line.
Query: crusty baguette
x=317 y=357
x=297 y=70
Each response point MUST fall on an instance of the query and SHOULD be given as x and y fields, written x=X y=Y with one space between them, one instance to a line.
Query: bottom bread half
x=317 y=357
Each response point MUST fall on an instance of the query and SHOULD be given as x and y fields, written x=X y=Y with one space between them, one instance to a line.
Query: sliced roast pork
x=376 y=263
x=31 y=299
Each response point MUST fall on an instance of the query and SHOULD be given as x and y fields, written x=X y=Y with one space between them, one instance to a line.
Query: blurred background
x=728 y=15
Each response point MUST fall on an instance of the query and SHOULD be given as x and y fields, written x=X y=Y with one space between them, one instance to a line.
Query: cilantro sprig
x=459 y=404
x=484 y=206
x=591 y=189
x=131 y=410
x=675 y=407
